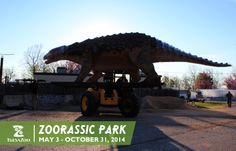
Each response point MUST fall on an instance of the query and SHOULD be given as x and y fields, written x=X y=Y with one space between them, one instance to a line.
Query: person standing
x=188 y=95
x=229 y=98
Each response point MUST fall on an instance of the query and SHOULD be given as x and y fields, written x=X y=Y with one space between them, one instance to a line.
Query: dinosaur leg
x=95 y=77
x=135 y=77
x=151 y=75
x=83 y=73
x=143 y=61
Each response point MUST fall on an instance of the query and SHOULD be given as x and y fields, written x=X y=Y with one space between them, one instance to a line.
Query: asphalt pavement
x=164 y=130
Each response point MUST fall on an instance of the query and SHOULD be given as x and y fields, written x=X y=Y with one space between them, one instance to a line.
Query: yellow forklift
x=112 y=93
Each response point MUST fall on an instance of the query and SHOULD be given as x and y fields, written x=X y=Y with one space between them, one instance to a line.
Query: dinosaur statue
x=126 y=52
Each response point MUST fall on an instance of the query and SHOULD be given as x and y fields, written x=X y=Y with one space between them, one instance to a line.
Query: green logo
x=18 y=130
x=79 y=132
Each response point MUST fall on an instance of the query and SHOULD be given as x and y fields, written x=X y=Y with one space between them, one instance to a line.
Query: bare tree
x=177 y=82
x=8 y=74
x=166 y=80
x=171 y=82
x=186 y=82
x=218 y=82
x=33 y=59
x=193 y=73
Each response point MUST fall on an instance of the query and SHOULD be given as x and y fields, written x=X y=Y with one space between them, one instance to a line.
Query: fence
x=49 y=94
x=217 y=94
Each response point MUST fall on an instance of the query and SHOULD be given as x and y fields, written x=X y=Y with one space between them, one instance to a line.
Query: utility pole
x=1 y=69
x=1 y=65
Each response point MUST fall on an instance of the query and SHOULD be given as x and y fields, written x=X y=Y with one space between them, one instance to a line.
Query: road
x=164 y=130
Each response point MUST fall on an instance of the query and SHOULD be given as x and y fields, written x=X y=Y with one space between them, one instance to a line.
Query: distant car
x=195 y=96
x=199 y=97
x=183 y=94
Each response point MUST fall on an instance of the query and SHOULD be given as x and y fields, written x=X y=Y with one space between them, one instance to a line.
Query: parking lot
x=185 y=129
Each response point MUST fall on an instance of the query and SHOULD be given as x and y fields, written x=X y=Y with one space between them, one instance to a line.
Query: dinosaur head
x=55 y=54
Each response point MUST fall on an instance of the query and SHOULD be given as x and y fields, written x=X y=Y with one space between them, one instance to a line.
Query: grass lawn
x=209 y=105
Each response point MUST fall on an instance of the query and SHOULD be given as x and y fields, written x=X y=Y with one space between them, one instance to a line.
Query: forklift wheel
x=88 y=104
x=129 y=106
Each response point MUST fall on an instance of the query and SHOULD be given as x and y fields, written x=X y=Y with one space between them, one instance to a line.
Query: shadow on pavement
x=213 y=118
x=12 y=114
x=147 y=136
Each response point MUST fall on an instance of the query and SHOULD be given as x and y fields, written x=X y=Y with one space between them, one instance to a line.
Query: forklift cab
x=122 y=97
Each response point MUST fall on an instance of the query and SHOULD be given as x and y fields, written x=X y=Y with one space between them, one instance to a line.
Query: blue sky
x=202 y=27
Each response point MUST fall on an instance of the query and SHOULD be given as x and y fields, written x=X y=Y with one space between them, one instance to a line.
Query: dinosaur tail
x=169 y=53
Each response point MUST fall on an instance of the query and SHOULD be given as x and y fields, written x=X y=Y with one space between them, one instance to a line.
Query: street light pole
x=1 y=69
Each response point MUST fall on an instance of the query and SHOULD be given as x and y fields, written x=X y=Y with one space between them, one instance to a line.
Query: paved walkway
x=192 y=129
